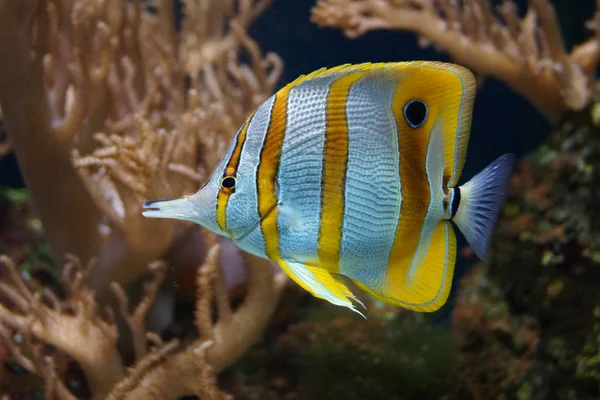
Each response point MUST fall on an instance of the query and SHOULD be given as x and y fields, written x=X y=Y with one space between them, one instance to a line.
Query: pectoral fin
x=320 y=283
x=288 y=217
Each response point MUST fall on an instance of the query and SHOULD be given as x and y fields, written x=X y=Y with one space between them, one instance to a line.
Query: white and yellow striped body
x=331 y=179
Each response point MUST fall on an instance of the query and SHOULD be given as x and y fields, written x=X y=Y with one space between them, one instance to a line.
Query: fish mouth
x=178 y=208
x=255 y=225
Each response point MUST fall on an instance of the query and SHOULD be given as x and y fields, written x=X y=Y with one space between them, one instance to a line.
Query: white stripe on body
x=434 y=164
x=301 y=168
x=242 y=209
x=373 y=188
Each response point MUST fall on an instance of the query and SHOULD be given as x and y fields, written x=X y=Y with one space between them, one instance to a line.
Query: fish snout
x=178 y=208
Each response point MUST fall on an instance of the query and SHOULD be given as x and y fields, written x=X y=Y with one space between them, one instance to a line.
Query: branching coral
x=219 y=343
x=107 y=104
x=73 y=326
x=528 y=53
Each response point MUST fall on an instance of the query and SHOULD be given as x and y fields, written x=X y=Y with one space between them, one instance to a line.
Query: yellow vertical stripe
x=222 y=199
x=452 y=86
x=313 y=279
x=335 y=158
x=266 y=174
x=231 y=170
x=412 y=144
x=429 y=294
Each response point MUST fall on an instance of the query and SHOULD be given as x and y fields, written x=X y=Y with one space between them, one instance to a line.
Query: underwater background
x=525 y=325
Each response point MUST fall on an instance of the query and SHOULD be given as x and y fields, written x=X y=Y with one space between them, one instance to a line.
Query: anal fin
x=428 y=289
x=321 y=284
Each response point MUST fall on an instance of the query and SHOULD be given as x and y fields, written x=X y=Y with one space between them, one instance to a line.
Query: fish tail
x=480 y=202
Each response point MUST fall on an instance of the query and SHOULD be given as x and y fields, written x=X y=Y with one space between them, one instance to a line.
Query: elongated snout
x=179 y=208
x=199 y=207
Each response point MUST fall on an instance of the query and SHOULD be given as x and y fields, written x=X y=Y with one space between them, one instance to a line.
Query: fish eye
x=415 y=113
x=228 y=182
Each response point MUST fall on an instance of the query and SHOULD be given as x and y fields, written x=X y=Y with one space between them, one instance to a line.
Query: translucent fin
x=321 y=284
x=288 y=217
x=432 y=280
x=480 y=202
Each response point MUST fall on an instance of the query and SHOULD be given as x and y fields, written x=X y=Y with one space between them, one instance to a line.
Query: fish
x=350 y=175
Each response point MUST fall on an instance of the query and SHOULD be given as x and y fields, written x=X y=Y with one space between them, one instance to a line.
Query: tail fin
x=480 y=202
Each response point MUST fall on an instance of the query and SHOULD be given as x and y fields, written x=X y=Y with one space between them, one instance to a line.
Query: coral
x=528 y=54
x=108 y=104
x=72 y=326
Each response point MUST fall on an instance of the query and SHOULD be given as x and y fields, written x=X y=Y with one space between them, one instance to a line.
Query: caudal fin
x=480 y=202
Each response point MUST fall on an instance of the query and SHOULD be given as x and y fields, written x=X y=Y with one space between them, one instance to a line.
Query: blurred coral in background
x=108 y=104
x=528 y=53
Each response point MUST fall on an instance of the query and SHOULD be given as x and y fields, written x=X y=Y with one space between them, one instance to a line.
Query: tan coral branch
x=177 y=376
x=528 y=55
x=75 y=329
x=136 y=320
x=28 y=121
